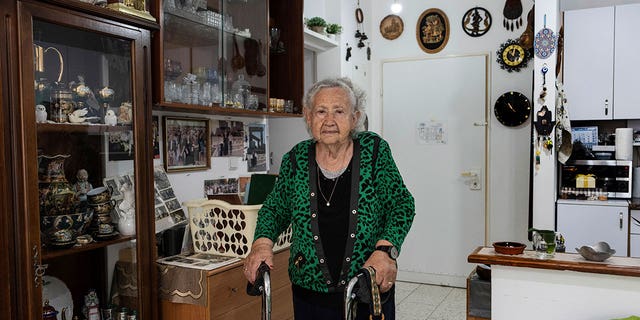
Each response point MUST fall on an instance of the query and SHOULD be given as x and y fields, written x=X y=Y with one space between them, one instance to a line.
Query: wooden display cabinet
x=218 y=42
x=70 y=55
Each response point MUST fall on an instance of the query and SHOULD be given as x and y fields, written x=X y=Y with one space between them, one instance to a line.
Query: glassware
x=205 y=96
x=241 y=90
x=544 y=243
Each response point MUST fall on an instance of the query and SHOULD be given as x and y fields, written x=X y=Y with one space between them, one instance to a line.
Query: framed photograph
x=257 y=145
x=432 y=30
x=227 y=139
x=120 y=145
x=186 y=144
x=391 y=27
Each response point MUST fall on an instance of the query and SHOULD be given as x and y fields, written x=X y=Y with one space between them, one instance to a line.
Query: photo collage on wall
x=168 y=210
x=221 y=186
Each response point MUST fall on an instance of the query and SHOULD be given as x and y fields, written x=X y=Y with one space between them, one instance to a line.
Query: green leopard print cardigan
x=381 y=208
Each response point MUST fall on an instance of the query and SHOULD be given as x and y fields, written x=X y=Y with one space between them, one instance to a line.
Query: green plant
x=334 y=28
x=316 y=22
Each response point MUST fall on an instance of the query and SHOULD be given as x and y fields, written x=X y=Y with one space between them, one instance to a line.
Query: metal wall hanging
x=391 y=27
x=432 y=30
x=512 y=14
x=476 y=22
x=359 y=20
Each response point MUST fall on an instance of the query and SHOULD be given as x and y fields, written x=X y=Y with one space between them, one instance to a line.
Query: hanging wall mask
x=512 y=14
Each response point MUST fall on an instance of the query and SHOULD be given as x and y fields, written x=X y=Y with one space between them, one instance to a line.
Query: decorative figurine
x=105 y=95
x=91 y=308
x=125 y=114
x=110 y=118
x=127 y=210
x=78 y=116
x=82 y=186
x=41 y=114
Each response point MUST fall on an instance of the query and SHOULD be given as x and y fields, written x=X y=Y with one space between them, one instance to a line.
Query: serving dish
x=508 y=247
x=599 y=252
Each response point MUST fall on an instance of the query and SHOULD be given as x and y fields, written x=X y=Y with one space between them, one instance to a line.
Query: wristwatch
x=392 y=251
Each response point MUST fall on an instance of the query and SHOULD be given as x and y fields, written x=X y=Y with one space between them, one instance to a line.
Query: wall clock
x=512 y=56
x=512 y=109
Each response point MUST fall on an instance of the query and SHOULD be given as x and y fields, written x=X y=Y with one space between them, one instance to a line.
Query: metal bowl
x=599 y=252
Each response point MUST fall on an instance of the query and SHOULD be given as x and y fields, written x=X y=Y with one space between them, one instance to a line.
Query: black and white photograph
x=160 y=178
x=256 y=150
x=178 y=216
x=111 y=184
x=120 y=145
x=161 y=212
x=221 y=186
x=167 y=194
x=186 y=144
x=155 y=127
x=173 y=205
x=227 y=138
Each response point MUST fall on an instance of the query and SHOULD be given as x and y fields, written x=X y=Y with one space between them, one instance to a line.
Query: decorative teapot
x=49 y=312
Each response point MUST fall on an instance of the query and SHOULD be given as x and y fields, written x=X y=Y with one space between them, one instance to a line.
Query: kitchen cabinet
x=626 y=63
x=588 y=62
x=634 y=234
x=601 y=63
x=227 y=298
x=78 y=70
x=588 y=222
x=230 y=57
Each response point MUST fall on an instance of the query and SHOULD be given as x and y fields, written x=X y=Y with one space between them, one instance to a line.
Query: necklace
x=328 y=201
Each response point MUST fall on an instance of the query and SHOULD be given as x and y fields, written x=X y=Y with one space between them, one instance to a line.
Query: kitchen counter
x=565 y=287
x=621 y=266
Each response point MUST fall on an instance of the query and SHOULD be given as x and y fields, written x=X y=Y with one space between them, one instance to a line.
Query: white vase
x=127 y=224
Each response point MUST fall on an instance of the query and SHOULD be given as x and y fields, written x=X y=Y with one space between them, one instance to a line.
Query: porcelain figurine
x=41 y=114
x=125 y=114
x=82 y=185
x=78 y=116
x=127 y=210
x=49 y=312
x=91 y=308
x=110 y=118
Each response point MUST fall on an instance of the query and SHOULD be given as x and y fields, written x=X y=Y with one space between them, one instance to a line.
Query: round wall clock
x=512 y=109
x=512 y=56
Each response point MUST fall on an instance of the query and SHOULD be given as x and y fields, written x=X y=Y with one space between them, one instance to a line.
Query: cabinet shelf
x=83 y=128
x=217 y=110
x=54 y=253
x=318 y=42
x=188 y=29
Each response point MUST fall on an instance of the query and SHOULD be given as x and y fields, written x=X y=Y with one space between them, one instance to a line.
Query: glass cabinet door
x=214 y=53
x=86 y=194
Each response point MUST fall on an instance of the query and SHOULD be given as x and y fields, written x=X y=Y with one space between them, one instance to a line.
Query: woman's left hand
x=386 y=269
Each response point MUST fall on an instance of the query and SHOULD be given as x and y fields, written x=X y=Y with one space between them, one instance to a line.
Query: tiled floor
x=428 y=302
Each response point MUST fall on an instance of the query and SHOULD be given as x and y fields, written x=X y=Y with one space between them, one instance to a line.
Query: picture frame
x=391 y=27
x=185 y=144
x=432 y=30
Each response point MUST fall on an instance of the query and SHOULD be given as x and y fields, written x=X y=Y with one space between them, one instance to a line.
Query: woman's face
x=331 y=118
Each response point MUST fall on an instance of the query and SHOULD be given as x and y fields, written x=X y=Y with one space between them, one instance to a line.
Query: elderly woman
x=346 y=202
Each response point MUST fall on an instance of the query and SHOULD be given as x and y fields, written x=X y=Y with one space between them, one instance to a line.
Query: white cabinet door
x=582 y=224
x=588 y=63
x=627 y=63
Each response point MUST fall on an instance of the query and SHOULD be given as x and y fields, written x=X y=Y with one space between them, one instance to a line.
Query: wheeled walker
x=262 y=286
x=363 y=288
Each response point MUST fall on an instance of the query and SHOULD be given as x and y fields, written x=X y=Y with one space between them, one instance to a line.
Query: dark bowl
x=507 y=247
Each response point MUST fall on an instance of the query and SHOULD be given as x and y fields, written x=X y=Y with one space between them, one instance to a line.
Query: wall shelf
x=318 y=42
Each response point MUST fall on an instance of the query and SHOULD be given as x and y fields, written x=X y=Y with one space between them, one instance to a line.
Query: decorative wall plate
x=391 y=27
x=476 y=22
x=545 y=42
x=432 y=30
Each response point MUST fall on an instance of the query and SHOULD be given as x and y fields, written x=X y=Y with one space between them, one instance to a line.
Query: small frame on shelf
x=186 y=144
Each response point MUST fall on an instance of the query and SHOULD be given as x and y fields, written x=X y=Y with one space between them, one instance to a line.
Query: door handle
x=621 y=222
x=469 y=174
x=480 y=124
x=472 y=179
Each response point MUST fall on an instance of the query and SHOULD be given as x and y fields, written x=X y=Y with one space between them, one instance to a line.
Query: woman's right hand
x=261 y=250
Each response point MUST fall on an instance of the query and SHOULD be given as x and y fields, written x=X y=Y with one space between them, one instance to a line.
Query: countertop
x=621 y=266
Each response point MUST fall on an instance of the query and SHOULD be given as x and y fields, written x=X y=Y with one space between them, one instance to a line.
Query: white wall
x=508 y=158
x=509 y=148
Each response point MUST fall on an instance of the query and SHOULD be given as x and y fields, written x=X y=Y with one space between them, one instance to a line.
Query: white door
x=434 y=114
